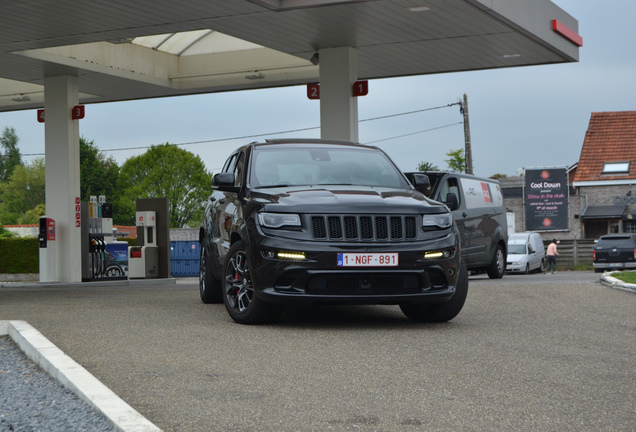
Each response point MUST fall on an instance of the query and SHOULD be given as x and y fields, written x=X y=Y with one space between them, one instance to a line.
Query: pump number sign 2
x=368 y=259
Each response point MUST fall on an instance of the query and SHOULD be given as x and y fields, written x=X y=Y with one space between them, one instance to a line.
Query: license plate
x=368 y=259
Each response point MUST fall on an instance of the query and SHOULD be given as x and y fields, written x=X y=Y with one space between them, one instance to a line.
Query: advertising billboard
x=546 y=199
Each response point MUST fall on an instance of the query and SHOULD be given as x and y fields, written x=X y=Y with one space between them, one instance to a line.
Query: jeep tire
x=497 y=267
x=440 y=312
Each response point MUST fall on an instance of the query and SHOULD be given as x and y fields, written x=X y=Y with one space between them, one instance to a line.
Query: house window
x=629 y=226
x=616 y=168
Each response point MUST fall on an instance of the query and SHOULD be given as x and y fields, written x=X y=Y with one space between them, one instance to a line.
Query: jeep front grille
x=355 y=227
x=364 y=284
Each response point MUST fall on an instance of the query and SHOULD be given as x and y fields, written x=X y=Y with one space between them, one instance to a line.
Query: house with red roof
x=601 y=193
x=606 y=174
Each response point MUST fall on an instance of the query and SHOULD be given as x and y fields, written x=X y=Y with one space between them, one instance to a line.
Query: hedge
x=22 y=254
x=132 y=241
x=19 y=255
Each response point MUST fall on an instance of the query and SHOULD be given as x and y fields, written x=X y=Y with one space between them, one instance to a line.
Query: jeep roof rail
x=307 y=141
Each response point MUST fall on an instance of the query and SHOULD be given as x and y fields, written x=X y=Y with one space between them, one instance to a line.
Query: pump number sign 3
x=368 y=259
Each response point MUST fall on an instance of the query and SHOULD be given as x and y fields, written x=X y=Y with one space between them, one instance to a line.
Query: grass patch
x=626 y=276
x=582 y=267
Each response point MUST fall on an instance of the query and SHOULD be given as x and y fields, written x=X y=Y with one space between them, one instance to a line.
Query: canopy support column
x=61 y=142
x=338 y=107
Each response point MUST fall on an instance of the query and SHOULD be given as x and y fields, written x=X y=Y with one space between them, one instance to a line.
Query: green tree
x=427 y=166
x=164 y=171
x=498 y=176
x=457 y=161
x=32 y=216
x=23 y=192
x=11 y=157
x=98 y=173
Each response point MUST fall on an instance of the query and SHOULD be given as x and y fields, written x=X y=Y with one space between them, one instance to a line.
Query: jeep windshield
x=278 y=166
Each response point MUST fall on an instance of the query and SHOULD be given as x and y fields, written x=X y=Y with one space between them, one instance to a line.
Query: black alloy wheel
x=241 y=303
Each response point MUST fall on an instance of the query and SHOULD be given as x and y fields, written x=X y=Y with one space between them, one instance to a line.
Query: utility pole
x=468 y=151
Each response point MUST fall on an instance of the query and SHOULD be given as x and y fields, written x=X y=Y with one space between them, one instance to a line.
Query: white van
x=525 y=253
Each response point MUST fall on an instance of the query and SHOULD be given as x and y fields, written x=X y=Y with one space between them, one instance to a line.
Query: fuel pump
x=46 y=239
x=103 y=257
x=143 y=260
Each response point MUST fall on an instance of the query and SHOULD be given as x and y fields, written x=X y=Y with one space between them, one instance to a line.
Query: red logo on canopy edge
x=545 y=175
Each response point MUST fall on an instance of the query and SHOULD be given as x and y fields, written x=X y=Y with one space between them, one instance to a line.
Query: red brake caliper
x=236 y=277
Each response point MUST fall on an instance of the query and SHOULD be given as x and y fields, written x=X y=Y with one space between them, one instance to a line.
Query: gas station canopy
x=130 y=49
x=57 y=54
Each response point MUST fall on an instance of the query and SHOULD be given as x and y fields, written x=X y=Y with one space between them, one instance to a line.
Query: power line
x=219 y=139
x=410 y=112
x=285 y=132
x=414 y=133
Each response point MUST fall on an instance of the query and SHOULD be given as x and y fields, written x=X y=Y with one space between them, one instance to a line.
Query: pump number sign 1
x=360 y=88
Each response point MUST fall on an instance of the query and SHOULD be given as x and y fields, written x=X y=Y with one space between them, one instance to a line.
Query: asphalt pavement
x=527 y=353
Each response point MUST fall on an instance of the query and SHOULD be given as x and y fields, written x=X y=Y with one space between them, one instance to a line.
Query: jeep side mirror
x=451 y=201
x=225 y=182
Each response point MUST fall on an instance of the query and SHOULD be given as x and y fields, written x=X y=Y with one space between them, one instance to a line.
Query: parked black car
x=614 y=252
x=294 y=222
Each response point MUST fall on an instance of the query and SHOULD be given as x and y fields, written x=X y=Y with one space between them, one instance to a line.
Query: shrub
x=22 y=254
x=132 y=241
x=19 y=255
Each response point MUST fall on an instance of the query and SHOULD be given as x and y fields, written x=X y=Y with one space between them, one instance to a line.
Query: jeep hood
x=344 y=199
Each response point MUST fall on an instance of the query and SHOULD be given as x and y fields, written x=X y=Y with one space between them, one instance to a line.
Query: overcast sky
x=519 y=117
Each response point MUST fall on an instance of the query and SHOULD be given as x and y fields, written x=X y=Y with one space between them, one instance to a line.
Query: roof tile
x=610 y=137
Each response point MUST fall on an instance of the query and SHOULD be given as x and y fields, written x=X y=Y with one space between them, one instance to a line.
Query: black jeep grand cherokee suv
x=311 y=221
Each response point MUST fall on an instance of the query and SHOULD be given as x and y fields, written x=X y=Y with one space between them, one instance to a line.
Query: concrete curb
x=127 y=282
x=19 y=277
x=612 y=282
x=74 y=377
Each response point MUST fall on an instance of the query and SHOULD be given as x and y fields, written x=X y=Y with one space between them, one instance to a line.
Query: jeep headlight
x=277 y=220
x=437 y=221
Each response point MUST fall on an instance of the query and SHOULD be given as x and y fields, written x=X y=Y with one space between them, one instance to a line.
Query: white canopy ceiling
x=132 y=49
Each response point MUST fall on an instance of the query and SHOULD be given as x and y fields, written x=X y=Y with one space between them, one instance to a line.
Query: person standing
x=552 y=255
